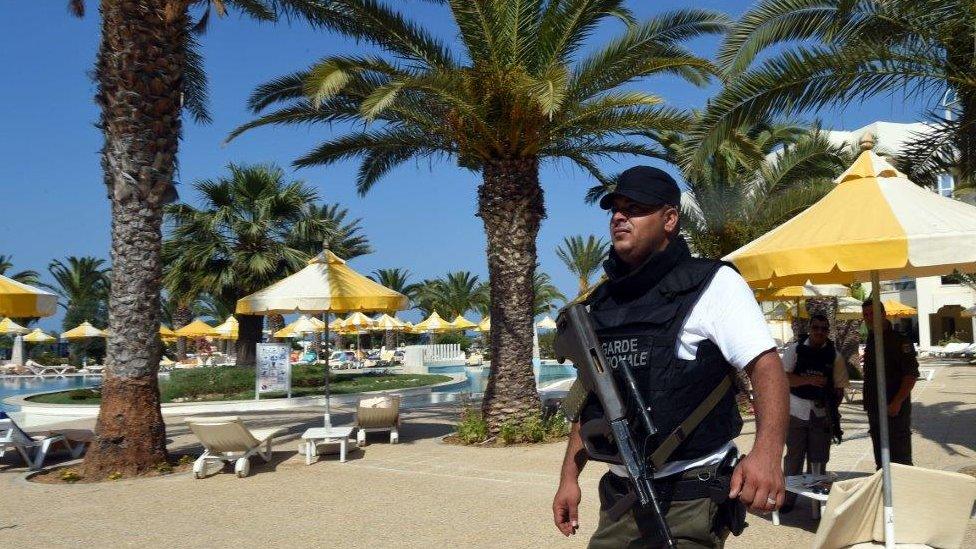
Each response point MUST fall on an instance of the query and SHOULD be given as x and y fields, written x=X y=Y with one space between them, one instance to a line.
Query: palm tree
x=253 y=229
x=397 y=280
x=31 y=278
x=514 y=97
x=82 y=285
x=760 y=177
x=836 y=52
x=455 y=294
x=148 y=71
x=546 y=294
x=583 y=258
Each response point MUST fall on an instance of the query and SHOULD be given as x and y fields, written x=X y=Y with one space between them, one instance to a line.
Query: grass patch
x=233 y=383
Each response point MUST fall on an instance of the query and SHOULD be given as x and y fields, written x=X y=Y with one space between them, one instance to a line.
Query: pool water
x=11 y=386
x=477 y=378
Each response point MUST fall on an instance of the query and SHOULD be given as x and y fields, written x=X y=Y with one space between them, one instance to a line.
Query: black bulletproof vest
x=640 y=326
x=814 y=361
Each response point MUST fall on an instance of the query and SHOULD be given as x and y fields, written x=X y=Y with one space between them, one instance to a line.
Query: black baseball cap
x=647 y=185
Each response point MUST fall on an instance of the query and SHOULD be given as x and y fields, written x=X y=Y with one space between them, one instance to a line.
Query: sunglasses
x=634 y=209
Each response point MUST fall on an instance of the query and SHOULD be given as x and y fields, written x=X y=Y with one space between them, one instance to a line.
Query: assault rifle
x=577 y=341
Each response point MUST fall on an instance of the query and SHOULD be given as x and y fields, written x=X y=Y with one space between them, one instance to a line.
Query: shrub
x=536 y=428
x=197 y=382
x=454 y=337
x=164 y=468
x=557 y=427
x=185 y=459
x=509 y=433
x=472 y=428
x=70 y=476
x=83 y=394
x=115 y=476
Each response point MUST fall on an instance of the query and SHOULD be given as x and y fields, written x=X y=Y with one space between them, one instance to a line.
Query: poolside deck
x=419 y=493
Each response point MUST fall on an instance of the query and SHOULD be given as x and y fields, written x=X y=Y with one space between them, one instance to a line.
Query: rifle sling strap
x=678 y=435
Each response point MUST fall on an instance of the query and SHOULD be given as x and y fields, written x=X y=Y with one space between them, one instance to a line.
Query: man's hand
x=758 y=480
x=565 y=507
x=894 y=407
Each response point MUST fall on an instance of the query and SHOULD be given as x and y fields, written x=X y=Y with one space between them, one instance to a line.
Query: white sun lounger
x=228 y=439
x=13 y=438
x=380 y=413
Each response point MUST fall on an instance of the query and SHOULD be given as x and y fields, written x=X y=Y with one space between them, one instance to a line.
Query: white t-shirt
x=800 y=407
x=727 y=314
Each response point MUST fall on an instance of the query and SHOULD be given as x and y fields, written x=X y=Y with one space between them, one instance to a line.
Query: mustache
x=623 y=224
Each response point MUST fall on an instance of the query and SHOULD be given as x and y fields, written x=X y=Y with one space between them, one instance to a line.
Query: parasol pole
x=328 y=412
x=879 y=363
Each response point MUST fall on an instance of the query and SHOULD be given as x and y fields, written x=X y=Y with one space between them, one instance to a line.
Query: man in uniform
x=813 y=367
x=682 y=324
x=901 y=371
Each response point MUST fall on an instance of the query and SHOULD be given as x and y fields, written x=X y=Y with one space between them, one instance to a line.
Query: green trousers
x=691 y=523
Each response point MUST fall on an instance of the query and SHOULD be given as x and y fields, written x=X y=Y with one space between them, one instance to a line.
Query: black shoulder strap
x=667 y=447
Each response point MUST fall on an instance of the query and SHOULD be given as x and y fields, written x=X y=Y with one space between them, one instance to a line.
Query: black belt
x=712 y=481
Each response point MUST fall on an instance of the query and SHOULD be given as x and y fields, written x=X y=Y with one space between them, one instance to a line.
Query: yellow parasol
x=165 y=332
x=197 y=328
x=38 y=336
x=462 y=323
x=326 y=285
x=9 y=327
x=797 y=293
x=874 y=220
x=228 y=329
x=82 y=331
x=546 y=323
x=897 y=309
x=22 y=301
x=304 y=324
x=357 y=321
x=434 y=324
x=386 y=322
x=875 y=224
x=484 y=325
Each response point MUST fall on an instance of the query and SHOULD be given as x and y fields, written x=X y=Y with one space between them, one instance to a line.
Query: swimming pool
x=478 y=376
x=11 y=386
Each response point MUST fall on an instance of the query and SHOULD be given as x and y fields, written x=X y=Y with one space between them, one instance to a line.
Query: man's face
x=818 y=332
x=637 y=230
x=868 y=313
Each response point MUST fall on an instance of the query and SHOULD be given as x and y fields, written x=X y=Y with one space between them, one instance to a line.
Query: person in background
x=901 y=371
x=817 y=374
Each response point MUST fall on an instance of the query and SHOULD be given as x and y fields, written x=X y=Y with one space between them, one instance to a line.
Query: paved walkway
x=420 y=493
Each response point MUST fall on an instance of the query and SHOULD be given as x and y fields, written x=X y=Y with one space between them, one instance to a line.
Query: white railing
x=449 y=351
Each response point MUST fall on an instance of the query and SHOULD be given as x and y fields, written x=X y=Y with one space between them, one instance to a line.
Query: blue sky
x=421 y=217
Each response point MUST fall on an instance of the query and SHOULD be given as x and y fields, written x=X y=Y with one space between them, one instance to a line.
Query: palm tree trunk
x=966 y=140
x=140 y=76
x=181 y=317
x=510 y=203
x=248 y=335
x=275 y=323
